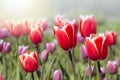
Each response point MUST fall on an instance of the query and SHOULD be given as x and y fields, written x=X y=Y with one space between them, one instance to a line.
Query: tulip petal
x=63 y=39
x=98 y=41
x=104 y=51
x=91 y=50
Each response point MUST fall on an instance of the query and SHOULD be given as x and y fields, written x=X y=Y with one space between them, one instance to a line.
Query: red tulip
x=97 y=47
x=29 y=61
x=111 y=37
x=87 y=25
x=66 y=36
x=36 y=35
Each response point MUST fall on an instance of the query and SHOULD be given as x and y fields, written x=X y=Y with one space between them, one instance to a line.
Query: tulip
x=102 y=72
x=97 y=47
x=89 y=71
x=112 y=67
x=22 y=49
x=4 y=33
x=57 y=75
x=1 y=78
x=36 y=35
x=29 y=61
x=84 y=52
x=87 y=25
x=17 y=30
x=59 y=20
x=44 y=55
x=1 y=44
x=44 y=23
x=66 y=36
x=8 y=25
x=80 y=39
x=50 y=47
x=111 y=37
x=27 y=25
x=6 y=47
x=106 y=78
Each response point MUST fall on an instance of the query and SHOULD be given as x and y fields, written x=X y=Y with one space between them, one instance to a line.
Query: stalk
x=72 y=63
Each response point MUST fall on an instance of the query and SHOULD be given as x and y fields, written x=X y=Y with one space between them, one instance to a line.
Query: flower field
x=60 y=49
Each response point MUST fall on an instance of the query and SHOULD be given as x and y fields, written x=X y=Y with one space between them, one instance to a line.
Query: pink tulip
x=22 y=49
x=1 y=44
x=88 y=69
x=80 y=39
x=6 y=47
x=44 y=55
x=1 y=78
x=50 y=46
x=84 y=52
x=112 y=67
x=57 y=75
x=4 y=33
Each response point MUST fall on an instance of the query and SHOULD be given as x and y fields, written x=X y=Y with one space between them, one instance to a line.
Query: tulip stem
x=72 y=63
x=99 y=70
x=112 y=52
x=32 y=76
x=90 y=76
x=37 y=48
x=41 y=76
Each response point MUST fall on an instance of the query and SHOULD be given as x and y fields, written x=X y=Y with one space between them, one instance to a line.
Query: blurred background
x=104 y=10
x=19 y=9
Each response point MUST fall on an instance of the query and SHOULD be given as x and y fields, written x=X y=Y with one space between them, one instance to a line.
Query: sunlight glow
x=17 y=6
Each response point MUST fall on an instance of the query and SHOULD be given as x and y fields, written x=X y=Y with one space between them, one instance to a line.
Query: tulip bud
x=22 y=49
x=89 y=71
x=87 y=25
x=44 y=24
x=80 y=39
x=1 y=78
x=36 y=35
x=6 y=47
x=4 y=33
x=29 y=61
x=84 y=52
x=50 y=47
x=106 y=78
x=57 y=75
x=112 y=67
x=44 y=56
x=102 y=72
x=17 y=30
x=111 y=37
x=1 y=44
